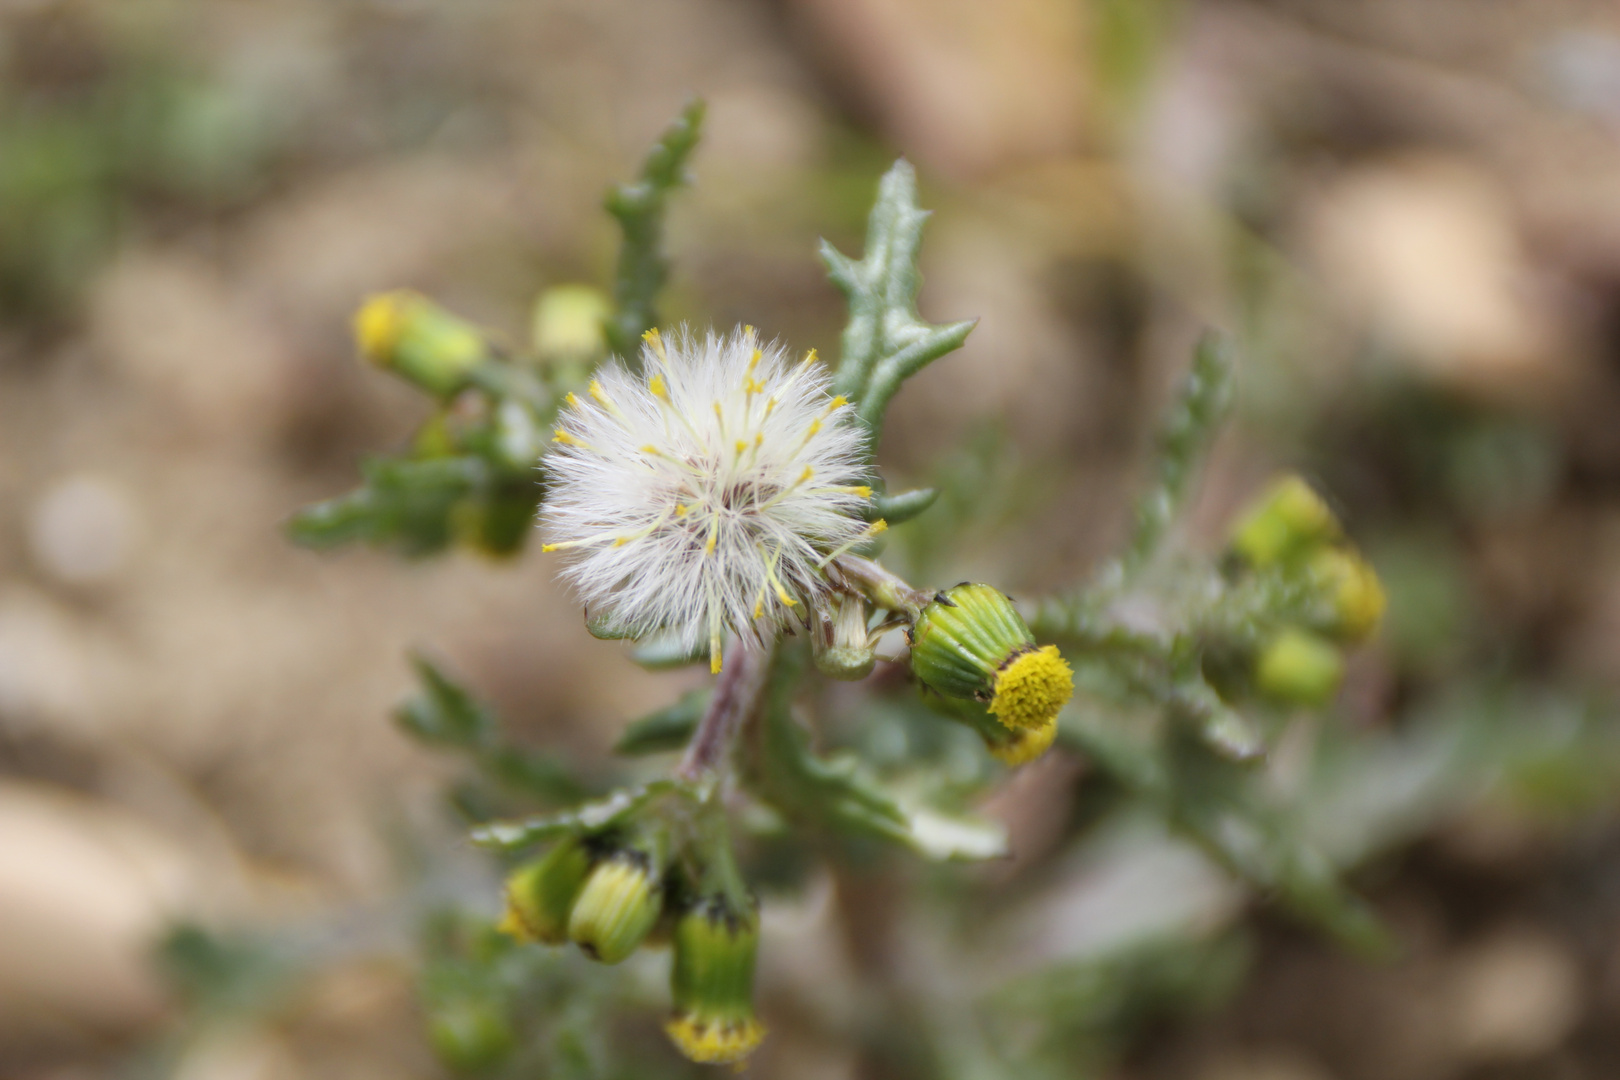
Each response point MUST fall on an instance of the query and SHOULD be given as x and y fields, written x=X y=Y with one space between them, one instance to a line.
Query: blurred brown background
x=195 y=194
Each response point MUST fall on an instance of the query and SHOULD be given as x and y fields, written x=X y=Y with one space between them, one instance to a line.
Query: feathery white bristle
x=699 y=496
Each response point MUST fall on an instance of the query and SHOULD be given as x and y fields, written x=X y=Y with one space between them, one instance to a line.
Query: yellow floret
x=1026 y=745
x=378 y=323
x=1030 y=690
x=715 y=1041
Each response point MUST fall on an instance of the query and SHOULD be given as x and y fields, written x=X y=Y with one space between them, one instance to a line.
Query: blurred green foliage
x=132 y=127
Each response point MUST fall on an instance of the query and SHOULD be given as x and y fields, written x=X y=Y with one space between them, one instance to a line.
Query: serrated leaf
x=1215 y=802
x=639 y=208
x=591 y=817
x=403 y=503
x=838 y=793
x=535 y=774
x=886 y=341
x=942 y=836
x=1189 y=425
x=444 y=712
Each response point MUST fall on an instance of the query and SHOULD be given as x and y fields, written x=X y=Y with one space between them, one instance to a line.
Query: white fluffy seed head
x=703 y=494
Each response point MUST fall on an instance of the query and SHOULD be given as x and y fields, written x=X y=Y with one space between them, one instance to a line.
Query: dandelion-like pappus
x=708 y=493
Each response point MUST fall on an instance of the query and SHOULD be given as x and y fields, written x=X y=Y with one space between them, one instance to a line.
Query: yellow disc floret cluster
x=715 y=1042
x=1020 y=747
x=970 y=645
x=1031 y=689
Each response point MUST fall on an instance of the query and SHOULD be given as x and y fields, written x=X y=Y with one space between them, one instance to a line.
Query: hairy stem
x=883 y=588
x=736 y=698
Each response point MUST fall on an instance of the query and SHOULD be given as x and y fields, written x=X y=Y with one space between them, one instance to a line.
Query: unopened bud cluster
x=603 y=895
x=1291 y=532
x=608 y=894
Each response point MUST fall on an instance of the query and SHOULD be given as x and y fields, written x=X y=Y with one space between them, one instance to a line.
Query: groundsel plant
x=715 y=498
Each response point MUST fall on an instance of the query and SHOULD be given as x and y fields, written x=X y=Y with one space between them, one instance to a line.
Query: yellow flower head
x=969 y=642
x=715 y=1041
x=712 y=982
x=1032 y=688
x=1024 y=745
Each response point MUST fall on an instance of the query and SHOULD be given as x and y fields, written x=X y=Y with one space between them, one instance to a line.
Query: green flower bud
x=470 y=1034
x=1354 y=594
x=569 y=321
x=1285 y=522
x=970 y=643
x=540 y=895
x=712 y=983
x=840 y=644
x=1299 y=668
x=421 y=342
x=618 y=906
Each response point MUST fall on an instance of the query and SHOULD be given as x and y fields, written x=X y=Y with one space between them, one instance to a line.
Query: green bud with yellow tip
x=1354 y=596
x=408 y=334
x=1286 y=522
x=1298 y=667
x=969 y=642
x=540 y=894
x=620 y=902
x=712 y=982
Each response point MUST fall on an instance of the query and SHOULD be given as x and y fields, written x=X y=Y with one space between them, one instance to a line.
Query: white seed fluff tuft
x=702 y=495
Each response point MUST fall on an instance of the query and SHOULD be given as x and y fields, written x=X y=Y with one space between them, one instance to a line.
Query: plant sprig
x=885 y=340
x=639 y=207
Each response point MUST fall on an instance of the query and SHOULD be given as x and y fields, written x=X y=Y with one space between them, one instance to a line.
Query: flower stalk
x=736 y=699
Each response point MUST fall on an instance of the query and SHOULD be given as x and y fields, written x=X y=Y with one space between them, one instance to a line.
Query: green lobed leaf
x=639 y=208
x=1218 y=803
x=886 y=341
x=592 y=817
x=1189 y=425
x=405 y=503
x=444 y=712
x=838 y=794
x=446 y=715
